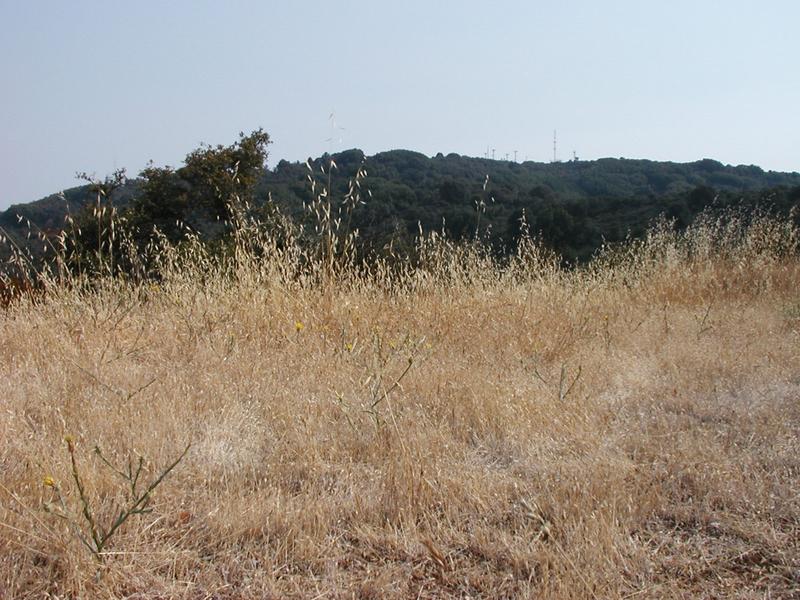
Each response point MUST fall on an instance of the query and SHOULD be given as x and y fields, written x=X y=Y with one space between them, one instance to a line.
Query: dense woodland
x=574 y=207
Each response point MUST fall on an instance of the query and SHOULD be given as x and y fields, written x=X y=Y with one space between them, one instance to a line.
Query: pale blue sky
x=94 y=85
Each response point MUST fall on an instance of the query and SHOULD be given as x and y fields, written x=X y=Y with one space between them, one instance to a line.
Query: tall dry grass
x=457 y=428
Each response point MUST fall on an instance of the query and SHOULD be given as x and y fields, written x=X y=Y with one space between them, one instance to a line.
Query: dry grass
x=456 y=430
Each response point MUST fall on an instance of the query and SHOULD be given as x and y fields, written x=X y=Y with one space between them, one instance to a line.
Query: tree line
x=573 y=207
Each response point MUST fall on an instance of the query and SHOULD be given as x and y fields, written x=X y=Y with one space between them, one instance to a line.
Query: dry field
x=458 y=430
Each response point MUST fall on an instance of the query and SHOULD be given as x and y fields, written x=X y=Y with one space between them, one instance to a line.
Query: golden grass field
x=461 y=429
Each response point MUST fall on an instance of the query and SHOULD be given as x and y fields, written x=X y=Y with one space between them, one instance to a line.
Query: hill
x=575 y=206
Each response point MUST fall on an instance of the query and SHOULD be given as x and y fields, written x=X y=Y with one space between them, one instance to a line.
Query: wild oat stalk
x=333 y=228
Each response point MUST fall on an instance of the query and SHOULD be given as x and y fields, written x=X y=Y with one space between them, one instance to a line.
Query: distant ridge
x=577 y=203
x=574 y=178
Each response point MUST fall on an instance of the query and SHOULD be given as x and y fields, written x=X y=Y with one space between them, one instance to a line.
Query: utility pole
x=515 y=156
x=493 y=149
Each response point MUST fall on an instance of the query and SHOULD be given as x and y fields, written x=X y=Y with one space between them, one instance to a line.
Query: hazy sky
x=94 y=85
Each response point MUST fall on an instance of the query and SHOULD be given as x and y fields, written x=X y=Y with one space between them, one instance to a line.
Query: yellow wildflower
x=49 y=481
x=298 y=326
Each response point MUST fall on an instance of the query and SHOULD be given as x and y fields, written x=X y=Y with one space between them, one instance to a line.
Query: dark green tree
x=213 y=182
x=700 y=197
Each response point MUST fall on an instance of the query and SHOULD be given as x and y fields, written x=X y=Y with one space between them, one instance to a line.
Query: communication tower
x=555 y=146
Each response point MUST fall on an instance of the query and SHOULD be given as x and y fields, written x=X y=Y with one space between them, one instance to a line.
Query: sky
x=93 y=86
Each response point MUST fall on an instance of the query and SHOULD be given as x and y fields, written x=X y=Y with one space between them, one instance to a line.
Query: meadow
x=459 y=427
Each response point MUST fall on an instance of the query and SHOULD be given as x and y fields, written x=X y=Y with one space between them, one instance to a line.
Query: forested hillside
x=574 y=206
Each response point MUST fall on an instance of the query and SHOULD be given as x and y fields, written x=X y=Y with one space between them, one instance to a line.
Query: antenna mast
x=554 y=146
